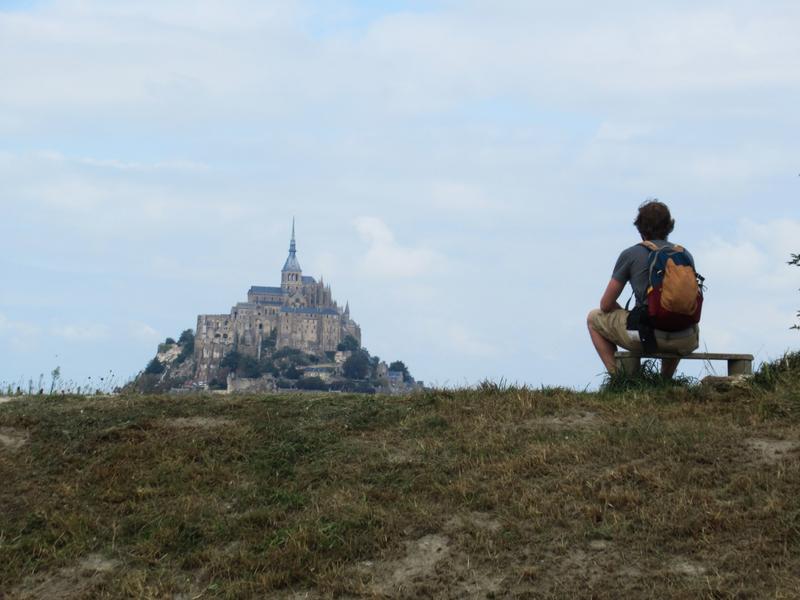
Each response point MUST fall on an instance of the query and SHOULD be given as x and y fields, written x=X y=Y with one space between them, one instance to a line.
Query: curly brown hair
x=654 y=221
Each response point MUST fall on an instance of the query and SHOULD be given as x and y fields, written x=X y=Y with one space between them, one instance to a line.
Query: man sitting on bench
x=608 y=325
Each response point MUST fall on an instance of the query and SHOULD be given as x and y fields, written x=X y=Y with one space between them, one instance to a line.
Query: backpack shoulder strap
x=649 y=245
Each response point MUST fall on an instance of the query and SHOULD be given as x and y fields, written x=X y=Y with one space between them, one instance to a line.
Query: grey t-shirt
x=632 y=267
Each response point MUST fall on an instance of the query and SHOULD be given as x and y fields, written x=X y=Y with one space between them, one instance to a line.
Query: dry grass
x=494 y=492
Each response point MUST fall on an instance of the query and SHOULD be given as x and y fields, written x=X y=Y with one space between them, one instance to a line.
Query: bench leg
x=629 y=366
x=740 y=367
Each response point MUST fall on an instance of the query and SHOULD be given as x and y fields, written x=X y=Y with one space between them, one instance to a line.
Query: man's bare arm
x=608 y=302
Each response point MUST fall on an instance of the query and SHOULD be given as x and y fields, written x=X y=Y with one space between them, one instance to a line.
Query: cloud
x=21 y=335
x=458 y=198
x=81 y=333
x=143 y=332
x=752 y=293
x=460 y=340
x=385 y=258
x=754 y=259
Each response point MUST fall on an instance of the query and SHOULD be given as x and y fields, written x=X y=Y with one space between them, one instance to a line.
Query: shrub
x=231 y=360
x=770 y=374
x=286 y=352
x=186 y=341
x=312 y=383
x=155 y=367
x=248 y=367
x=217 y=384
x=268 y=343
x=399 y=366
x=349 y=343
x=356 y=366
x=169 y=341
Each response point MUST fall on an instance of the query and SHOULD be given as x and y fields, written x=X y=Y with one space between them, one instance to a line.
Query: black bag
x=639 y=320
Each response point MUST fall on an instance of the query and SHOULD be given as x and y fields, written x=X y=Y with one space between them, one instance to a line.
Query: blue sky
x=464 y=173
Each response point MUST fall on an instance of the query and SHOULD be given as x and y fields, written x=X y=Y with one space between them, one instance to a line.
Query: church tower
x=292 y=274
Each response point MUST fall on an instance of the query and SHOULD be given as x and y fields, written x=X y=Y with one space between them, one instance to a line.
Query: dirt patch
x=581 y=419
x=772 y=451
x=589 y=566
x=399 y=576
x=13 y=439
x=71 y=582
x=4 y=399
x=594 y=563
x=432 y=561
x=476 y=520
x=198 y=422
x=398 y=456
x=686 y=567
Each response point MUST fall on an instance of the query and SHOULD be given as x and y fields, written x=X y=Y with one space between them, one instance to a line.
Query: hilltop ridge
x=673 y=492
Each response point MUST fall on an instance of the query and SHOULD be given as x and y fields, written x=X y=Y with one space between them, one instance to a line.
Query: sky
x=463 y=173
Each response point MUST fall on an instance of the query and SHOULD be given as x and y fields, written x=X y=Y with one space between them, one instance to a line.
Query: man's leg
x=668 y=367
x=605 y=349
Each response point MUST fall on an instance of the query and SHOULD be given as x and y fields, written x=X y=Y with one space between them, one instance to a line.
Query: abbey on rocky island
x=299 y=314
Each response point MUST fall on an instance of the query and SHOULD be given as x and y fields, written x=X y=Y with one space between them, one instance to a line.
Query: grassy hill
x=674 y=492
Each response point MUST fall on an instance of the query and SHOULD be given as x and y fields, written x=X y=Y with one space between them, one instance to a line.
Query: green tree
x=796 y=262
x=186 y=341
x=155 y=367
x=312 y=383
x=356 y=366
x=231 y=360
x=268 y=343
x=248 y=367
x=349 y=343
x=400 y=366
x=169 y=341
x=374 y=361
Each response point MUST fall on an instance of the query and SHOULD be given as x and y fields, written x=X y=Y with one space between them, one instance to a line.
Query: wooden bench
x=738 y=364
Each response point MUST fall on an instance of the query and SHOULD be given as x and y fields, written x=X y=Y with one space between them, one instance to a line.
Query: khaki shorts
x=614 y=327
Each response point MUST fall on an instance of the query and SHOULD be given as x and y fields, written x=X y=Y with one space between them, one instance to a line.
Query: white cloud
x=385 y=258
x=462 y=341
x=81 y=332
x=755 y=259
x=752 y=292
x=460 y=198
x=20 y=335
x=612 y=131
x=144 y=332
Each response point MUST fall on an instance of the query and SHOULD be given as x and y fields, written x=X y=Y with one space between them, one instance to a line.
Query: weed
x=783 y=370
x=648 y=378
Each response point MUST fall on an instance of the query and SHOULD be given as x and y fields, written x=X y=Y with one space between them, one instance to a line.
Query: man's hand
x=608 y=303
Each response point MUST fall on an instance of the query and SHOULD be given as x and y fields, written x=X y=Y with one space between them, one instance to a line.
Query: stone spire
x=347 y=309
x=291 y=274
x=292 y=265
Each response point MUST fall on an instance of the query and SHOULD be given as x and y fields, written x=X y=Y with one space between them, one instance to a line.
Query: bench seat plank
x=693 y=356
x=738 y=364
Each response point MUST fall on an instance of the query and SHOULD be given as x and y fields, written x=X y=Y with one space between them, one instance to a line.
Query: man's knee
x=590 y=317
